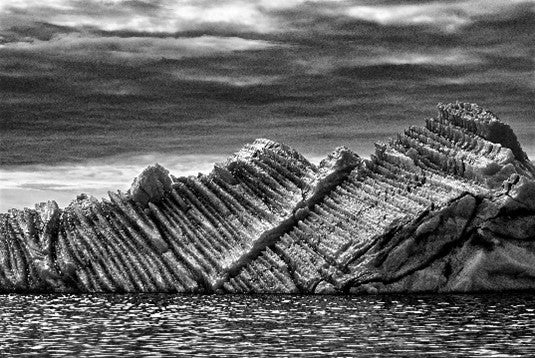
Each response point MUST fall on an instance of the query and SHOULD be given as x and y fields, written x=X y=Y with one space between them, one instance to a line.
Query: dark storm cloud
x=316 y=37
x=100 y=64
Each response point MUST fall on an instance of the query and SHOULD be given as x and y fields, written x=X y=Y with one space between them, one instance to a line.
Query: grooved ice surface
x=445 y=207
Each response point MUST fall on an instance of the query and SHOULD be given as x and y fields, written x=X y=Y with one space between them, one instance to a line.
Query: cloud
x=159 y=16
x=444 y=16
x=248 y=16
x=135 y=48
x=142 y=74
x=382 y=56
x=106 y=173
x=447 y=16
x=25 y=185
x=236 y=80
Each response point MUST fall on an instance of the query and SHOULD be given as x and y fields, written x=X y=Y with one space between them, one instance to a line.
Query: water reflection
x=166 y=325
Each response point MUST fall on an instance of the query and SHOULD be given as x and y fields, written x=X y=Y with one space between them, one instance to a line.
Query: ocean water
x=484 y=325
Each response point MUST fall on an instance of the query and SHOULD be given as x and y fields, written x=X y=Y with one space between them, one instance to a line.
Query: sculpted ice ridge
x=448 y=207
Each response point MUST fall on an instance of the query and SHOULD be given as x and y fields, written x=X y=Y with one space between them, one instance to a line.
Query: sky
x=92 y=81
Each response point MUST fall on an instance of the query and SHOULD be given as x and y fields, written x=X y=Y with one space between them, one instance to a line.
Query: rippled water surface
x=269 y=325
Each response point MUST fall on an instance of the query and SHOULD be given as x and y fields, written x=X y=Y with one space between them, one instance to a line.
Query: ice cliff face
x=446 y=207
